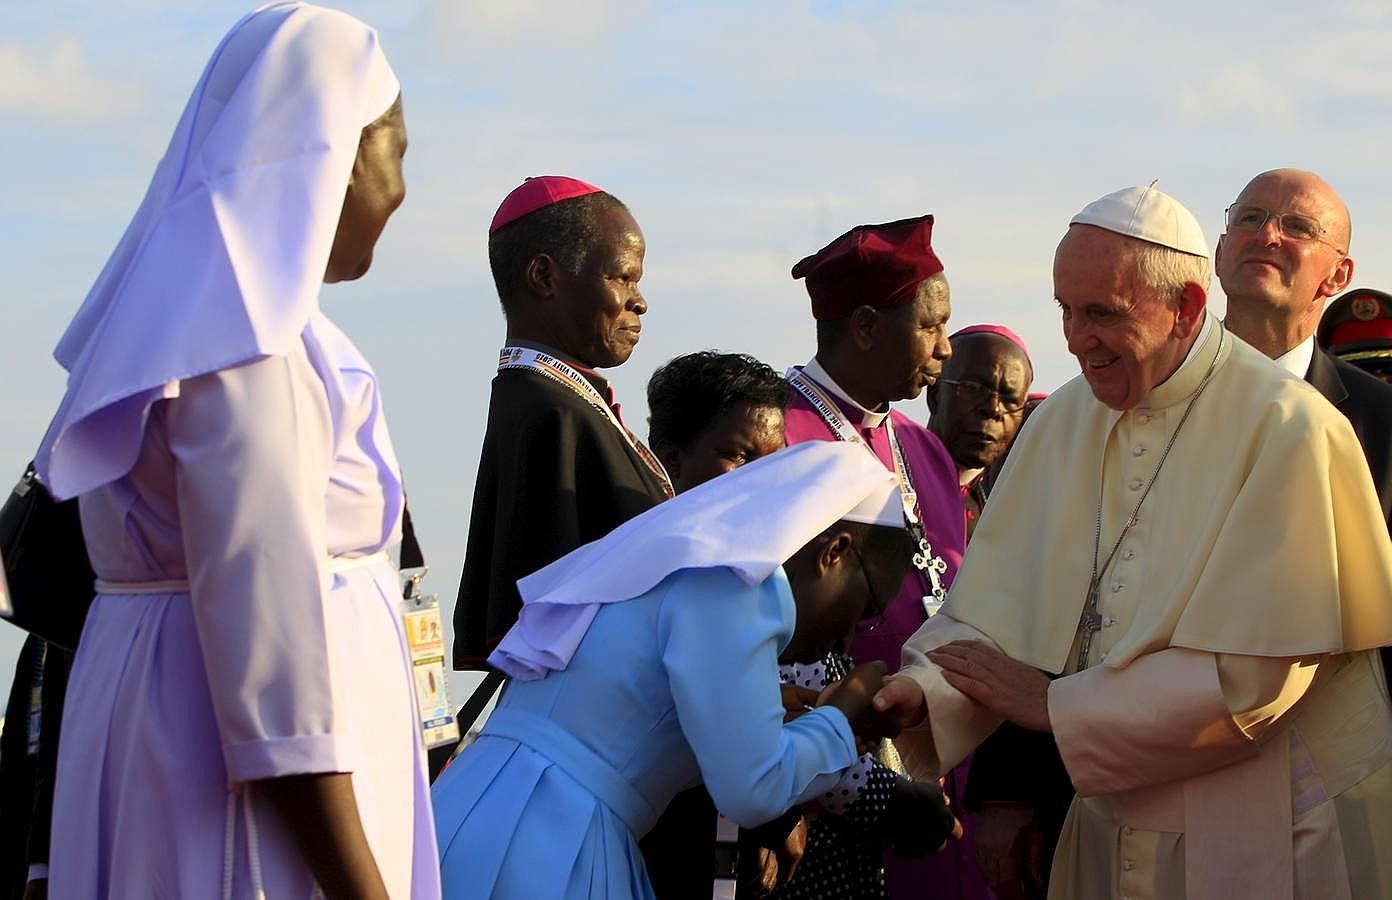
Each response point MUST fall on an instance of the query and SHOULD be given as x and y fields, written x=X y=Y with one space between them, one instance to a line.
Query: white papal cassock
x=1229 y=736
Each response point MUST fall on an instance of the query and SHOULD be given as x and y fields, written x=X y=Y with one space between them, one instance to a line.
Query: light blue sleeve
x=720 y=641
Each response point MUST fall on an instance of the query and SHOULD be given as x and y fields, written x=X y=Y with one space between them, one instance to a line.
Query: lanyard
x=931 y=566
x=842 y=429
x=514 y=357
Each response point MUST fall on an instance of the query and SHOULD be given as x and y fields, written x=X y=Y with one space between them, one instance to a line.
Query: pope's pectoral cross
x=934 y=567
x=1090 y=624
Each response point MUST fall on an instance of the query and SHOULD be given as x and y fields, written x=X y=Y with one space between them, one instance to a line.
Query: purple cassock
x=953 y=873
x=934 y=479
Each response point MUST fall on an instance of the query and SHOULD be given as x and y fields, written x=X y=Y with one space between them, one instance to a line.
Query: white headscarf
x=224 y=260
x=750 y=521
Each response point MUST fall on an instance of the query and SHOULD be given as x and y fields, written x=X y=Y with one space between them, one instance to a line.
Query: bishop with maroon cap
x=559 y=468
x=881 y=304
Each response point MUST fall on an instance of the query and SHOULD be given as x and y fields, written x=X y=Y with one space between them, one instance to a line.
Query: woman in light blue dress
x=648 y=660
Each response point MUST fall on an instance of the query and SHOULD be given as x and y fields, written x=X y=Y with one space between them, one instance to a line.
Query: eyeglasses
x=1296 y=226
x=874 y=608
x=976 y=393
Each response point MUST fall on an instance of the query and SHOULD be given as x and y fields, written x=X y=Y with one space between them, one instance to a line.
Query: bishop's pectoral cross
x=935 y=567
x=1090 y=623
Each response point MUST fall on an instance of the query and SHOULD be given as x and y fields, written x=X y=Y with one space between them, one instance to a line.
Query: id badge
x=425 y=641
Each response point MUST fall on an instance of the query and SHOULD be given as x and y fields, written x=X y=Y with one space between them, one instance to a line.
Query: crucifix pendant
x=1089 y=625
x=934 y=567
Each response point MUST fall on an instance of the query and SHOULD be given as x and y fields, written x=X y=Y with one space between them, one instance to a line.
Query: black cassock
x=554 y=474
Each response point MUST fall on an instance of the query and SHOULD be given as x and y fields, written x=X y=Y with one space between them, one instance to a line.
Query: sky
x=743 y=136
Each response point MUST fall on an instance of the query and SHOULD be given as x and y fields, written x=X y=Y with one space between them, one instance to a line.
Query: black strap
x=468 y=714
x=411 y=556
x=473 y=707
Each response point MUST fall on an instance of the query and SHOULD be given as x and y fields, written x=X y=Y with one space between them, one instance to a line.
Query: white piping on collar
x=869 y=418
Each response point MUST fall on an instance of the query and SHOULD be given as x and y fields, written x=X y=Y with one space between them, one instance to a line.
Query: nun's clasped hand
x=1011 y=689
x=854 y=696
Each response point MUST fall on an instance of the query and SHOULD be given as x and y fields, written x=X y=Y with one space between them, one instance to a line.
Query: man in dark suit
x=1284 y=253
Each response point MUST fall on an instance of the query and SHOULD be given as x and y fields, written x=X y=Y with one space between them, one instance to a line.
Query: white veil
x=225 y=257
x=750 y=520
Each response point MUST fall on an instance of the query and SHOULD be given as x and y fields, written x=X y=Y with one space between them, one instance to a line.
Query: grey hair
x=1168 y=271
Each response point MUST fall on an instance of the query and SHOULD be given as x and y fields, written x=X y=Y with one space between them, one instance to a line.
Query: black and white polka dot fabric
x=843 y=858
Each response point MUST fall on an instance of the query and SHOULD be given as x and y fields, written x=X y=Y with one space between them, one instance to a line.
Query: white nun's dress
x=238 y=487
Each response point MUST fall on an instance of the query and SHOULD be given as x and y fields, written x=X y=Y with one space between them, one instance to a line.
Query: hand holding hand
x=796 y=700
x=1013 y=690
x=854 y=696
x=900 y=702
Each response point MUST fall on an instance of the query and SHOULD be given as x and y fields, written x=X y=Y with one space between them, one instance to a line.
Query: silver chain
x=1090 y=611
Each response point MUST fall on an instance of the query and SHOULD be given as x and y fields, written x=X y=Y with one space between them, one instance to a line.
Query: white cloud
x=54 y=83
x=522 y=30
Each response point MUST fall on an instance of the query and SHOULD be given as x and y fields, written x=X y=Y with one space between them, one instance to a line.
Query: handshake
x=855 y=696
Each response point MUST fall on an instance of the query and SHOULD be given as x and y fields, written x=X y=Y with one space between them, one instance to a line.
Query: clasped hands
x=1011 y=689
x=854 y=695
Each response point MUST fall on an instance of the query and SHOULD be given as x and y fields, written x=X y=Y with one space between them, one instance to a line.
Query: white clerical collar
x=1210 y=321
x=868 y=417
x=967 y=476
x=1297 y=359
x=1185 y=378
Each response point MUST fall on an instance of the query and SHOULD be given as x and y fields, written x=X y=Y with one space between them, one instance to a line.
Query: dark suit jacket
x=1367 y=402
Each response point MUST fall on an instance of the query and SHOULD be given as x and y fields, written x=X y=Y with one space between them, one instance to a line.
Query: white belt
x=181 y=585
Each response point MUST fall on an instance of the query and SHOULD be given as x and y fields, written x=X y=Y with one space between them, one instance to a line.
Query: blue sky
x=742 y=135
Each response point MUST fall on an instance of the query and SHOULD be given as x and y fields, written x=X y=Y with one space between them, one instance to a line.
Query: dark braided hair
x=687 y=394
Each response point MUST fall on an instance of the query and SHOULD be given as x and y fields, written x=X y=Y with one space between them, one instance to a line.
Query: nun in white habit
x=240 y=720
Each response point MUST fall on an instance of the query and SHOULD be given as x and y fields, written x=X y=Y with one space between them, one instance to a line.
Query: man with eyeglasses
x=1188 y=538
x=978 y=404
x=1284 y=253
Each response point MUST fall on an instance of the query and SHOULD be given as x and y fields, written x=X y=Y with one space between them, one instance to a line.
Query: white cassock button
x=1117 y=586
x=1138 y=450
x=1128 y=554
x=1128 y=864
x=1136 y=484
x=1127 y=829
x=1143 y=419
x=1108 y=622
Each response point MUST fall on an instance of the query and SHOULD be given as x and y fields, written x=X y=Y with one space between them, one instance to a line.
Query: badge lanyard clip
x=425 y=641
